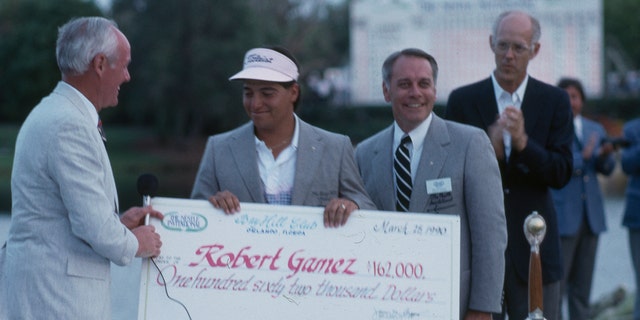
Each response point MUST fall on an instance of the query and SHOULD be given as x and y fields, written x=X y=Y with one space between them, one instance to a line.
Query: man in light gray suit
x=277 y=158
x=65 y=229
x=450 y=169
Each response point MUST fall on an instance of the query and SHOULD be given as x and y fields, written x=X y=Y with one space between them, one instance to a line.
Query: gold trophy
x=535 y=229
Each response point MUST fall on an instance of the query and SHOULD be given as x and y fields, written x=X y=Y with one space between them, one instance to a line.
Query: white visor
x=267 y=65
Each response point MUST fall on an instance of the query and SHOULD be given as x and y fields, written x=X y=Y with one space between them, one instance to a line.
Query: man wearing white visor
x=277 y=158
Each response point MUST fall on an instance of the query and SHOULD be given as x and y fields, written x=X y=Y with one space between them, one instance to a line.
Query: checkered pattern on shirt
x=283 y=198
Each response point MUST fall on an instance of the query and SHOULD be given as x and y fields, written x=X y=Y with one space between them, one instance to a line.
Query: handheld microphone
x=147 y=188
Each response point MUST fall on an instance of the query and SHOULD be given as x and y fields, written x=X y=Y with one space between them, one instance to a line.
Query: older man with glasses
x=530 y=126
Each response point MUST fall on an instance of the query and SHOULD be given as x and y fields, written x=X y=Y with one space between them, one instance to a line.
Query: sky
x=103 y=4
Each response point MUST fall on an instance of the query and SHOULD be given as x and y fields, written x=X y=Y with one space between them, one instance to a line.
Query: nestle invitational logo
x=192 y=222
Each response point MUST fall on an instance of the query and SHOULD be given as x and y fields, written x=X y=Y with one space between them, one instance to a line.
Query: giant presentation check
x=280 y=262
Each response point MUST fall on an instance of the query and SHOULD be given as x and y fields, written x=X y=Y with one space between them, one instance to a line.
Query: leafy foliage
x=622 y=26
x=185 y=51
x=28 y=68
x=182 y=52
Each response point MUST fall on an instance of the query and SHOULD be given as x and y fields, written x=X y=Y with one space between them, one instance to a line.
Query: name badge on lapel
x=438 y=186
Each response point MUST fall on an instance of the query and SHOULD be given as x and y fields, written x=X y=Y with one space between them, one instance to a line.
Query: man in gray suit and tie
x=65 y=229
x=277 y=158
x=422 y=163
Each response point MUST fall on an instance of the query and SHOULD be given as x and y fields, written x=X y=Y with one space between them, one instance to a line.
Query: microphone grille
x=147 y=184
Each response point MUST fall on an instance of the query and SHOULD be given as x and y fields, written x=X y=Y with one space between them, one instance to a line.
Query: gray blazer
x=465 y=155
x=64 y=226
x=325 y=168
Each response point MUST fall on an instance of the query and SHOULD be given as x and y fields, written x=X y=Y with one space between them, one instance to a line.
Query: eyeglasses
x=503 y=47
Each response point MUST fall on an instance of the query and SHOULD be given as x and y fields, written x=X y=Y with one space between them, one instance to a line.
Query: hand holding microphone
x=148 y=240
x=137 y=216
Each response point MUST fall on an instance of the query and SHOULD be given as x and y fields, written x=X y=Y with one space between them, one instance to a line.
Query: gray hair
x=387 y=66
x=535 y=25
x=81 y=39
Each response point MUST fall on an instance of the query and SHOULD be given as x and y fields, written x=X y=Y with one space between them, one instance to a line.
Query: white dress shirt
x=277 y=174
x=505 y=99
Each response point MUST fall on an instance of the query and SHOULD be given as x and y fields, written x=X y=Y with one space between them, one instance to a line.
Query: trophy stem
x=535 y=287
x=534 y=230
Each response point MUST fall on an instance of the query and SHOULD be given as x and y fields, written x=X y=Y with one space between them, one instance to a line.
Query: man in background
x=530 y=127
x=579 y=204
x=630 y=162
x=65 y=229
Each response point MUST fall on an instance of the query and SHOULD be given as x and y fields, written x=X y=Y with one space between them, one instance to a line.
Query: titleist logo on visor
x=267 y=65
x=257 y=58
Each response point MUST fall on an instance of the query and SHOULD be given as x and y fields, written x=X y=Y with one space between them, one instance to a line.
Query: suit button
x=506 y=191
x=586 y=179
x=578 y=172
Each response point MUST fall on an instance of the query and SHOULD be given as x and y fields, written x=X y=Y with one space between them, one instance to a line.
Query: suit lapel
x=243 y=150
x=528 y=107
x=382 y=159
x=308 y=155
x=487 y=106
x=432 y=159
x=77 y=103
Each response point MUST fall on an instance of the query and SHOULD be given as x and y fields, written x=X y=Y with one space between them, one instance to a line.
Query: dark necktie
x=104 y=137
x=402 y=170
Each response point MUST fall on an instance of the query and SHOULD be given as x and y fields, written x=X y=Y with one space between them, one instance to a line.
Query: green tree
x=622 y=27
x=316 y=32
x=28 y=68
x=184 y=52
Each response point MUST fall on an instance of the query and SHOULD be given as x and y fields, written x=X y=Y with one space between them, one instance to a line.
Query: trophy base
x=536 y=315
